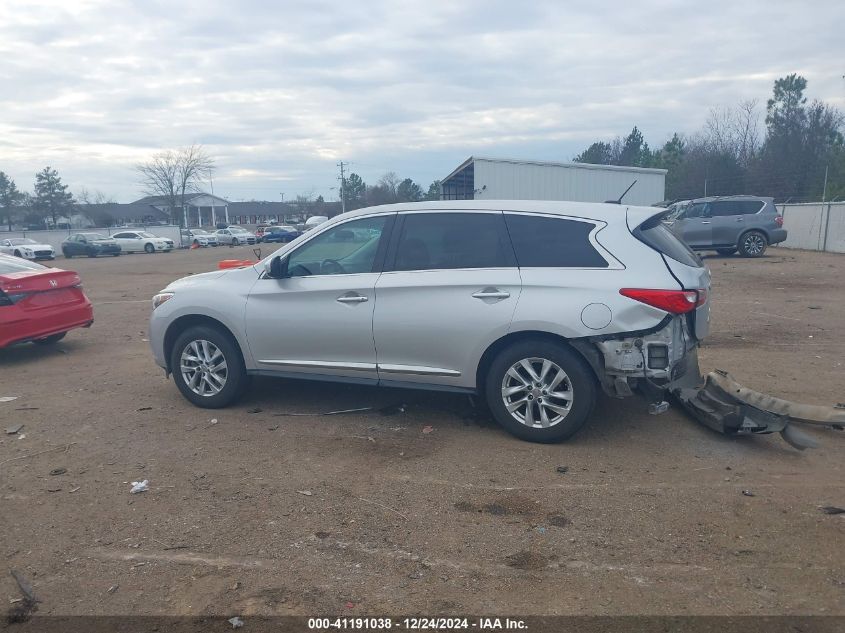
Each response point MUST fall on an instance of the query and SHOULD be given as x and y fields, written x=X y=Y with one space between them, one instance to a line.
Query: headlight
x=161 y=298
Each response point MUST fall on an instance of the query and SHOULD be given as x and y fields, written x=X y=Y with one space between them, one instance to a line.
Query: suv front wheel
x=208 y=367
x=540 y=391
x=753 y=244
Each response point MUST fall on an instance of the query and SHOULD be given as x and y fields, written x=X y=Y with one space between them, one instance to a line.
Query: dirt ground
x=368 y=514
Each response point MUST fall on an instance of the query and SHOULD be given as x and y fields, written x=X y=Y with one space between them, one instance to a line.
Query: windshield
x=674 y=210
x=145 y=234
x=283 y=228
x=237 y=229
x=93 y=236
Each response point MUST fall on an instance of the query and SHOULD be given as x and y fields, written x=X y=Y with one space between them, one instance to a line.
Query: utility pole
x=824 y=190
x=341 y=164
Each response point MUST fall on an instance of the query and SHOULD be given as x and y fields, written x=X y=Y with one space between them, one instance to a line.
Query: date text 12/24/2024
x=416 y=624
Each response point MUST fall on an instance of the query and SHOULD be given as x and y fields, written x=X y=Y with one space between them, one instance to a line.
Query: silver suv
x=728 y=224
x=536 y=306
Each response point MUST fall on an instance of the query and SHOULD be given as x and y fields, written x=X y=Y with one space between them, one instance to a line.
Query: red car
x=39 y=304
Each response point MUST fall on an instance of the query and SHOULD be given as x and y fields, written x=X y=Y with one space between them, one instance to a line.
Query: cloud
x=279 y=94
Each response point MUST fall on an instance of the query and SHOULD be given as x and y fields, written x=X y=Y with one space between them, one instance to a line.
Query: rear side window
x=749 y=207
x=719 y=208
x=436 y=241
x=724 y=207
x=654 y=233
x=543 y=242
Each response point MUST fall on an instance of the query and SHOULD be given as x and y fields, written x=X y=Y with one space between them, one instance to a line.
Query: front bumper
x=39 y=254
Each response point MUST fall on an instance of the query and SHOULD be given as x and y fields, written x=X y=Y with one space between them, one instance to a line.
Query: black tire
x=752 y=244
x=726 y=251
x=66 y=254
x=92 y=254
x=196 y=243
x=17 y=253
x=116 y=254
x=50 y=340
x=236 y=242
x=236 y=378
x=579 y=379
x=149 y=249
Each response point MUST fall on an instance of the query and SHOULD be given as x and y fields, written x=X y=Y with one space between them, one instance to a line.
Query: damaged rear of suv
x=536 y=306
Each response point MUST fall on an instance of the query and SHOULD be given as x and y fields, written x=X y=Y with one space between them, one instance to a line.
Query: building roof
x=163 y=201
x=131 y=211
x=260 y=207
x=547 y=163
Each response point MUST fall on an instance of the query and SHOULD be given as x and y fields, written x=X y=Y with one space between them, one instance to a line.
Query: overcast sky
x=279 y=94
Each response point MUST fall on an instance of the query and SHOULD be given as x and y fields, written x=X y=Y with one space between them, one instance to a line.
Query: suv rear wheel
x=540 y=391
x=208 y=367
x=752 y=244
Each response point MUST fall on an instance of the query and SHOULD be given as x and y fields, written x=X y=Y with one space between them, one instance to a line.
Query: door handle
x=705 y=221
x=740 y=219
x=491 y=293
x=352 y=299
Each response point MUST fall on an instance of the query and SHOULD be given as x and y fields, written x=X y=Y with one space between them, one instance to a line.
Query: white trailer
x=484 y=178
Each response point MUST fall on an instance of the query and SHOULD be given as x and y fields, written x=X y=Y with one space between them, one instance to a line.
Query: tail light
x=779 y=220
x=673 y=301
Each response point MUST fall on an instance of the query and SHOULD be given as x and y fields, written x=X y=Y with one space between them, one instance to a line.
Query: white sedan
x=141 y=241
x=26 y=248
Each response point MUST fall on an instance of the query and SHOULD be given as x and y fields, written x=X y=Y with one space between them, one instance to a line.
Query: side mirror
x=276 y=267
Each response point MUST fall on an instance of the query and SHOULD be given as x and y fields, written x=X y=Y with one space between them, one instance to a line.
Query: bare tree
x=747 y=131
x=390 y=181
x=94 y=206
x=734 y=131
x=173 y=174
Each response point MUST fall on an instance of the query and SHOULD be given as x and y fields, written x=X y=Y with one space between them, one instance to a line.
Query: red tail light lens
x=673 y=301
x=779 y=220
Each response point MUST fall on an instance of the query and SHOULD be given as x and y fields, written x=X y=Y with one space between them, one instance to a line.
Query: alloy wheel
x=203 y=368
x=537 y=392
x=753 y=244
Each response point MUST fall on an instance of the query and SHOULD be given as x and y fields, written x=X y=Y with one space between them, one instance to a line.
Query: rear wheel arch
x=593 y=360
x=190 y=320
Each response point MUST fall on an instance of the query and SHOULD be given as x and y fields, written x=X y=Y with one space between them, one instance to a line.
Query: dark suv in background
x=727 y=224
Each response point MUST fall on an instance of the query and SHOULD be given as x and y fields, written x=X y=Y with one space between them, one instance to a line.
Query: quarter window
x=438 y=241
x=347 y=248
x=543 y=242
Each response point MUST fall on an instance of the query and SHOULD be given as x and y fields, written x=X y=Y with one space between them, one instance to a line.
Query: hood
x=203 y=279
x=196 y=280
x=33 y=247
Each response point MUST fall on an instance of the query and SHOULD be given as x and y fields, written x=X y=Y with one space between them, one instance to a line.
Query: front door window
x=346 y=249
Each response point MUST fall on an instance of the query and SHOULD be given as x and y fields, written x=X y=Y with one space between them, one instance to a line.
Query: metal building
x=480 y=178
